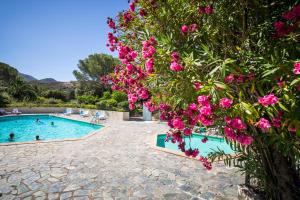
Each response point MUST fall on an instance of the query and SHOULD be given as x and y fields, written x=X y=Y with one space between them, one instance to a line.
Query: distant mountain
x=27 y=78
x=48 y=80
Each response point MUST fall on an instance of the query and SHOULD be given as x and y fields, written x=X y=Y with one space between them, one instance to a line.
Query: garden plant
x=233 y=64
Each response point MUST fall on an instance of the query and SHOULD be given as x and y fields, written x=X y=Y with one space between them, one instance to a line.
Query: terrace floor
x=116 y=163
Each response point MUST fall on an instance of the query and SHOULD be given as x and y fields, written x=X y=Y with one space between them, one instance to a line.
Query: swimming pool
x=27 y=127
x=212 y=144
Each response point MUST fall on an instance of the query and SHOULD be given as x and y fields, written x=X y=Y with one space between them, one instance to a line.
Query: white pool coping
x=58 y=140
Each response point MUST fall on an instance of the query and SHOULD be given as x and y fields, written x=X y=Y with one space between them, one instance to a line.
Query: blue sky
x=46 y=38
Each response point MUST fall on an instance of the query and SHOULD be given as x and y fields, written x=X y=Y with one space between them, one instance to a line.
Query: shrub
x=89 y=106
x=214 y=65
x=55 y=94
x=111 y=103
x=119 y=96
x=53 y=101
x=4 y=99
x=123 y=105
x=102 y=105
x=106 y=95
x=86 y=99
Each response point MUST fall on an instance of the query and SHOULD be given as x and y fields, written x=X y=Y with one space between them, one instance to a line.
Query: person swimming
x=37 y=137
x=52 y=123
x=37 y=120
x=11 y=136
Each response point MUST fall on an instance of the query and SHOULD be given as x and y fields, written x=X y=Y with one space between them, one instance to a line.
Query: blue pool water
x=212 y=144
x=25 y=128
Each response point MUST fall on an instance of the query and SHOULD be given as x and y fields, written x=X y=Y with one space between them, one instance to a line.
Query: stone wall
x=111 y=115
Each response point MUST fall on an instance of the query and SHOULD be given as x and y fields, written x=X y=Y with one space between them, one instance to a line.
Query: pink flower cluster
x=112 y=42
x=206 y=10
x=175 y=66
x=197 y=85
x=127 y=17
x=263 y=124
x=192 y=152
x=150 y=105
x=267 y=100
x=111 y=24
x=225 y=103
x=148 y=48
x=292 y=16
x=296 y=69
x=205 y=162
x=239 y=79
x=143 y=12
x=149 y=65
x=189 y=28
x=235 y=131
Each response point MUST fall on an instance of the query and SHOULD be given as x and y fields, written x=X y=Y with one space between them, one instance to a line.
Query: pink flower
x=178 y=123
x=227 y=120
x=184 y=29
x=237 y=123
x=209 y=10
x=203 y=100
x=270 y=99
x=205 y=121
x=129 y=67
x=175 y=56
x=201 y=9
x=225 y=103
x=192 y=107
x=151 y=107
x=149 y=65
x=187 y=131
x=229 y=133
x=197 y=85
x=276 y=122
x=204 y=140
x=229 y=78
x=296 y=69
x=143 y=93
x=279 y=25
x=292 y=129
x=194 y=153
x=176 y=67
x=264 y=124
x=131 y=106
x=111 y=23
x=288 y=15
x=244 y=140
x=132 y=6
x=132 y=98
x=206 y=110
x=143 y=12
x=205 y=163
x=193 y=28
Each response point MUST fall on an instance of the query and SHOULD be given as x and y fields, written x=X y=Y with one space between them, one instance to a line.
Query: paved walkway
x=116 y=163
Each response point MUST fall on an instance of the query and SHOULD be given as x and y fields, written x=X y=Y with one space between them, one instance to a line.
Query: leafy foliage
x=242 y=52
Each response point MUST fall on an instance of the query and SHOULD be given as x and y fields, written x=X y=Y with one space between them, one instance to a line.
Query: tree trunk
x=283 y=179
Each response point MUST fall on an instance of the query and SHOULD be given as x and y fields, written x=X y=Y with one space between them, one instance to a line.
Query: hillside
x=27 y=77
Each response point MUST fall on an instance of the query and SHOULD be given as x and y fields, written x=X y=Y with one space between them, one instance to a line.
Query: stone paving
x=116 y=163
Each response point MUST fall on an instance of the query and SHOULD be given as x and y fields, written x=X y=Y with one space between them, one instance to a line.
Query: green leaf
x=295 y=81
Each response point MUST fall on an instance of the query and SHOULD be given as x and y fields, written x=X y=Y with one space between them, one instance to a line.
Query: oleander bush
x=227 y=63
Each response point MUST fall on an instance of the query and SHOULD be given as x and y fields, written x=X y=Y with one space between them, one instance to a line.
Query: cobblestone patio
x=116 y=163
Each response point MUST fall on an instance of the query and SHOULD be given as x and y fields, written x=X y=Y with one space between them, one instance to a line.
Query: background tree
x=91 y=70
